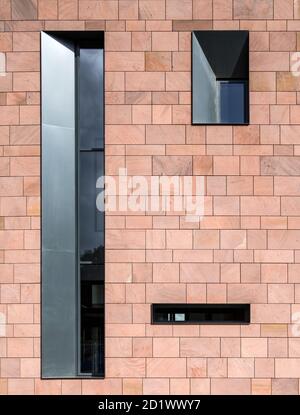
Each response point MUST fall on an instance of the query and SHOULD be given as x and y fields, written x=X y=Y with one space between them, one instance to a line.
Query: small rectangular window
x=220 y=75
x=200 y=313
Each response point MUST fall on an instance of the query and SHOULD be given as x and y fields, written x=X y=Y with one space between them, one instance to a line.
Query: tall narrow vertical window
x=89 y=66
x=72 y=224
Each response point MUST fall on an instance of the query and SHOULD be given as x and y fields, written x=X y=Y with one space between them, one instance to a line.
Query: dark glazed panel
x=90 y=85
x=90 y=218
x=200 y=313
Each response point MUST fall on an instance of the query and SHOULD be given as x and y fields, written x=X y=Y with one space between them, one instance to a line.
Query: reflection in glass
x=92 y=320
x=232 y=101
x=91 y=220
x=91 y=98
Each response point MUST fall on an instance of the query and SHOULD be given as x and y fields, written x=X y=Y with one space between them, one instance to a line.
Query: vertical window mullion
x=77 y=176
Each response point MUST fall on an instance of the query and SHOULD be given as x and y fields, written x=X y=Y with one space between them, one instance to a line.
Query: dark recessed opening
x=220 y=77
x=200 y=313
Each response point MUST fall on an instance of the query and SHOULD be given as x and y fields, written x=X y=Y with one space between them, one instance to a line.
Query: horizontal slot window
x=200 y=313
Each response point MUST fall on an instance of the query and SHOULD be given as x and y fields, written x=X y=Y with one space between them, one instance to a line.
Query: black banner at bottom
x=125 y=404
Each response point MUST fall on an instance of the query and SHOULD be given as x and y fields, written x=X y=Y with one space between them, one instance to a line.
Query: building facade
x=245 y=248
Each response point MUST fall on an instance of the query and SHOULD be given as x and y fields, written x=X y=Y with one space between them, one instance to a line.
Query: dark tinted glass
x=91 y=98
x=201 y=313
x=91 y=220
x=232 y=102
x=92 y=320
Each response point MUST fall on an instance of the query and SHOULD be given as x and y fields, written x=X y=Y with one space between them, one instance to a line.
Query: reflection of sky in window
x=232 y=102
x=91 y=98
